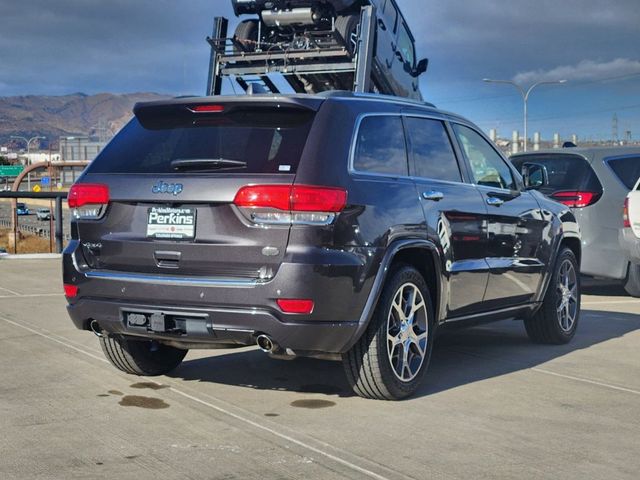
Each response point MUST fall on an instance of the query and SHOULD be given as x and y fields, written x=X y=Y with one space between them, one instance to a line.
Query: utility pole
x=614 y=129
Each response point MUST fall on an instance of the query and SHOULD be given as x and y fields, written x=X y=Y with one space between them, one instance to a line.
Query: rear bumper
x=630 y=244
x=231 y=311
x=221 y=326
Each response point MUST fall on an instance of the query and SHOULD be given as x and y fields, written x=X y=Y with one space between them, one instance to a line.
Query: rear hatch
x=571 y=180
x=170 y=178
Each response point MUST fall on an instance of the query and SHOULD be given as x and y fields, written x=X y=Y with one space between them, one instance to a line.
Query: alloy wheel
x=407 y=332
x=567 y=287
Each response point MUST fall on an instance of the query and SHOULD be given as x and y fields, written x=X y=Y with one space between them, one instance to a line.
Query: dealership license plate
x=171 y=223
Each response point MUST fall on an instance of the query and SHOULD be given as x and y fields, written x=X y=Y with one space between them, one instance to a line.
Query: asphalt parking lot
x=494 y=405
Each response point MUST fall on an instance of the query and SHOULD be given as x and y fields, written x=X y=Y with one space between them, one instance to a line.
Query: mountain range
x=75 y=114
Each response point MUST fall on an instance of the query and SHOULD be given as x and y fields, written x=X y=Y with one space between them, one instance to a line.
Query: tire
x=140 y=357
x=371 y=371
x=347 y=26
x=247 y=35
x=632 y=284
x=557 y=319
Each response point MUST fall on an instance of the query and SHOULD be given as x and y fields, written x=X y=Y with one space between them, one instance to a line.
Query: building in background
x=77 y=149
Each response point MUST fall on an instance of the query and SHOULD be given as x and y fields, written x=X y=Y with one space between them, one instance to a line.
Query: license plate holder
x=171 y=223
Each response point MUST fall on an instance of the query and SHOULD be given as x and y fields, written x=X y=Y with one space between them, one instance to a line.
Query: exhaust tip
x=266 y=344
x=95 y=328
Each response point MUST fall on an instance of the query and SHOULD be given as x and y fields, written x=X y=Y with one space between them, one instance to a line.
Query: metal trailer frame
x=224 y=62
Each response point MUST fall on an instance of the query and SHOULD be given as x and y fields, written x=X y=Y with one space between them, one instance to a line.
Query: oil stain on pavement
x=143 y=402
x=149 y=385
x=312 y=404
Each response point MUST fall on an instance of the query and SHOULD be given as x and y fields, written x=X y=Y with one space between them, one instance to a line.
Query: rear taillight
x=625 y=214
x=70 y=291
x=88 y=200
x=576 y=199
x=291 y=204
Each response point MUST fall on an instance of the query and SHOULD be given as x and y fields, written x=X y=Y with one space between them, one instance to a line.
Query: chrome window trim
x=354 y=140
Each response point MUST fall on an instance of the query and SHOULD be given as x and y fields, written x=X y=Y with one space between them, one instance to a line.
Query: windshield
x=251 y=142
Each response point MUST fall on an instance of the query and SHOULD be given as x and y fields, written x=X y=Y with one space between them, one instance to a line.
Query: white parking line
x=10 y=291
x=586 y=380
x=31 y=295
x=219 y=409
x=611 y=302
x=548 y=372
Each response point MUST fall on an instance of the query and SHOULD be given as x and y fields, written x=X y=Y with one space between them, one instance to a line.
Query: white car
x=630 y=234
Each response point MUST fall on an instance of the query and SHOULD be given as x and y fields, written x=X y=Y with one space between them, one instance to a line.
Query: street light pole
x=28 y=153
x=525 y=98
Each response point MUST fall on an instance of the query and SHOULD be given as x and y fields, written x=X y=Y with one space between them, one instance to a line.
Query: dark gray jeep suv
x=341 y=226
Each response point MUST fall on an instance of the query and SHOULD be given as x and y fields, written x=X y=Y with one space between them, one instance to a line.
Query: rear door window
x=566 y=172
x=381 y=147
x=627 y=169
x=269 y=142
x=430 y=149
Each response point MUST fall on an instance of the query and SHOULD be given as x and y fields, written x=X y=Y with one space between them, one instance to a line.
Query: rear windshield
x=627 y=169
x=268 y=141
x=566 y=172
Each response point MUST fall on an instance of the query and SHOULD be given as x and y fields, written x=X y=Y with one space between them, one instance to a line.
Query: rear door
x=173 y=173
x=454 y=213
x=515 y=224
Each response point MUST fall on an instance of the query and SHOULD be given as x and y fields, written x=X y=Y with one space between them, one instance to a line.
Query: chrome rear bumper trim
x=172 y=280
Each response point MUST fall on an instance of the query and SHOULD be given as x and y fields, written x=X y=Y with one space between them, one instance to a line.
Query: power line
x=570 y=84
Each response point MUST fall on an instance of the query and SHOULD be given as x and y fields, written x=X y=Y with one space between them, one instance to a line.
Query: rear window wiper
x=206 y=164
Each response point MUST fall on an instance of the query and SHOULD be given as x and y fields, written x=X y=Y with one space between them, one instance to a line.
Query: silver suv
x=594 y=183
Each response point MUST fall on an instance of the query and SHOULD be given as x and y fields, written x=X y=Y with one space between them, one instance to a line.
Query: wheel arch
x=573 y=244
x=421 y=254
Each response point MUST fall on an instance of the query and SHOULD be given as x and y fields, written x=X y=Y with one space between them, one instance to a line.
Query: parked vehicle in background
x=630 y=236
x=339 y=226
x=43 y=214
x=594 y=183
x=323 y=29
x=22 y=209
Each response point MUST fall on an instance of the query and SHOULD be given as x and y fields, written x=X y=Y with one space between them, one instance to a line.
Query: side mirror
x=535 y=176
x=422 y=67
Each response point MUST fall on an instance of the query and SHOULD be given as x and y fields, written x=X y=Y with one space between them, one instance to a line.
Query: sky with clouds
x=65 y=46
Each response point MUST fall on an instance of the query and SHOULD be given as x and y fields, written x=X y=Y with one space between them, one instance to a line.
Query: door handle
x=433 y=195
x=382 y=25
x=494 y=201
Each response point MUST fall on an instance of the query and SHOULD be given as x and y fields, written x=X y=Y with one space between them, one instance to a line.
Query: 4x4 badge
x=164 y=187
